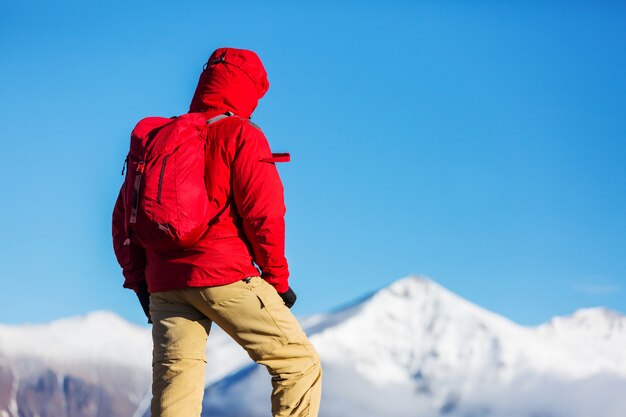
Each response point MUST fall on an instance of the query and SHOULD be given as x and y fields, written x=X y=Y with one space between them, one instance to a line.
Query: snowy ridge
x=405 y=324
x=598 y=336
x=415 y=322
x=98 y=349
x=103 y=337
x=97 y=337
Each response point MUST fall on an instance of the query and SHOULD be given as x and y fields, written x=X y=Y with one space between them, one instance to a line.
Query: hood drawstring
x=213 y=61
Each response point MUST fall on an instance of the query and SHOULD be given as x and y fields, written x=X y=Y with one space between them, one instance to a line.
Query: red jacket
x=242 y=182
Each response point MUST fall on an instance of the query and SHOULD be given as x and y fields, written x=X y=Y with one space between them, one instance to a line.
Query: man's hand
x=144 y=299
x=289 y=297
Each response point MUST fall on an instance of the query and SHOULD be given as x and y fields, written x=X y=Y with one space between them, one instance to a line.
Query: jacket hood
x=232 y=80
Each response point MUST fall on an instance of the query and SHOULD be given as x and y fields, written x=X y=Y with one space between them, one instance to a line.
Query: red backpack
x=165 y=199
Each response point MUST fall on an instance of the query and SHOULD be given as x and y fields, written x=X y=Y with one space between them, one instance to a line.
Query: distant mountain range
x=411 y=349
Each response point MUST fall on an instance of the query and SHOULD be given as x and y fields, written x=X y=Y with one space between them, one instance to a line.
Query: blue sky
x=482 y=145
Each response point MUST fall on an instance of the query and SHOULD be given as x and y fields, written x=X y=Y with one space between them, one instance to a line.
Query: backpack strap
x=219 y=117
x=254 y=125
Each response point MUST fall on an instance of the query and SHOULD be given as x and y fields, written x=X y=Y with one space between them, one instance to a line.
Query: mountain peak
x=422 y=296
x=598 y=320
x=411 y=285
x=92 y=337
x=409 y=326
x=597 y=313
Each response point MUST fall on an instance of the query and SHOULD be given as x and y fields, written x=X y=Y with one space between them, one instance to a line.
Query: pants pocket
x=278 y=314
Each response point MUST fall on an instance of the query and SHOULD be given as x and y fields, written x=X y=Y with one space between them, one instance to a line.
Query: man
x=216 y=279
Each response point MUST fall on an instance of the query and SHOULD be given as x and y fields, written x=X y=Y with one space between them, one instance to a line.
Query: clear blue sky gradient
x=482 y=145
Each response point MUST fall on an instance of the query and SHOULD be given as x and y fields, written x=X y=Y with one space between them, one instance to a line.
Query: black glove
x=144 y=299
x=289 y=297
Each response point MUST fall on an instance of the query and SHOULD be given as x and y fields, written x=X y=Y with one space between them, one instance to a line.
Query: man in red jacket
x=217 y=279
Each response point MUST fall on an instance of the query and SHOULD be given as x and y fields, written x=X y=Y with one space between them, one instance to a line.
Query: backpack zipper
x=161 y=179
x=138 y=174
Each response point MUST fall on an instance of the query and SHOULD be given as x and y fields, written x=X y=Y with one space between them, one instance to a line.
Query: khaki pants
x=254 y=315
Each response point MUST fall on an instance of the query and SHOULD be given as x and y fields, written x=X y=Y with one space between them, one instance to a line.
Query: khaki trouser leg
x=254 y=315
x=179 y=334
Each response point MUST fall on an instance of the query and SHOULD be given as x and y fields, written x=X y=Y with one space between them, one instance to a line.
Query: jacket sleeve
x=258 y=194
x=132 y=258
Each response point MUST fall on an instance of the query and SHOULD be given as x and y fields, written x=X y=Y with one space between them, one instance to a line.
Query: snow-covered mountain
x=96 y=365
x=416 y=349
x=410 y=349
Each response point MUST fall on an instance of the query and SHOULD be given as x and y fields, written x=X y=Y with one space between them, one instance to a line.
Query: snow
x=103 y=337
x=105 y=349
x=414 y=344
x=596 y=335
x=97 y=337
x=426 y=351
x=415 y=323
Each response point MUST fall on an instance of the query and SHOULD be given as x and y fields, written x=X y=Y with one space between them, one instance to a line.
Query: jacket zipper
x=161 y=179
